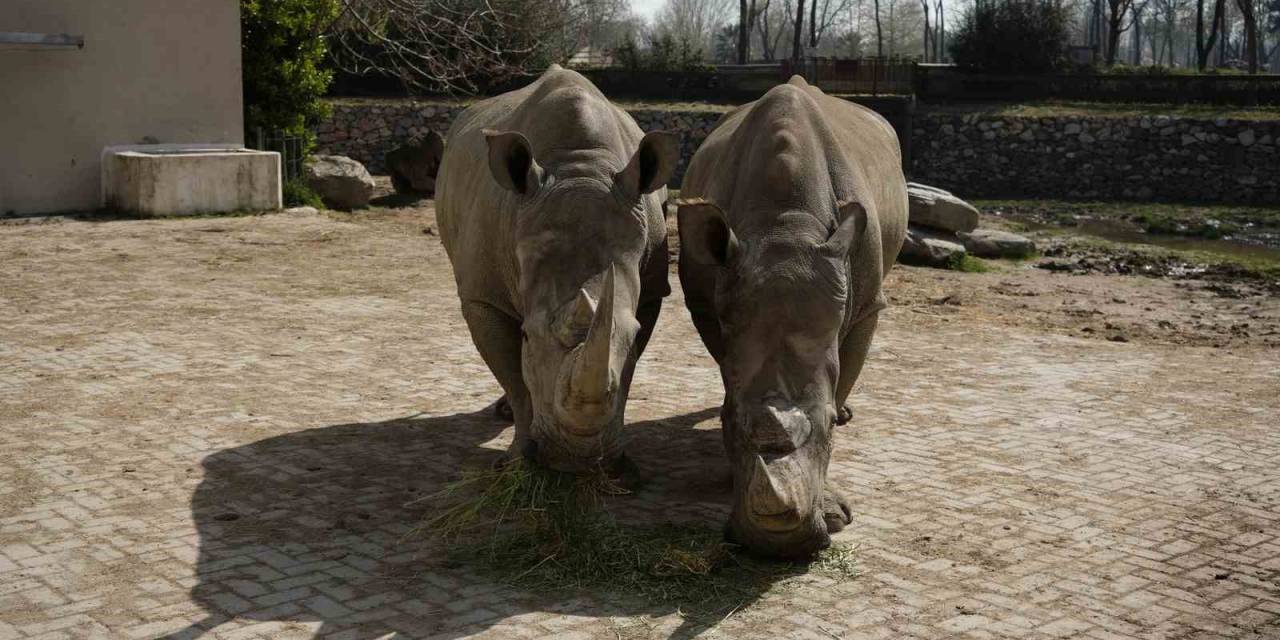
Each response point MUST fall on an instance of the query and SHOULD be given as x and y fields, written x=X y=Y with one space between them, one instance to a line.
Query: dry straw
x=543 y=530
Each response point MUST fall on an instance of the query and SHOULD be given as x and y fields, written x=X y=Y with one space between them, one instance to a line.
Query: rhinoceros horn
x=587 y=395
x=771 y=492
x=576 y=319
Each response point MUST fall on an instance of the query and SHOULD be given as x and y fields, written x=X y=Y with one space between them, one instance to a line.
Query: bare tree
x=458 y=45
x=693 y=22
x=879 y=32
x=939 y=33
x=1116 y=12
x=1204 y=44
x=799 y=29
x=747 y=15
x=823 y=15
x=771 y=25
x=1247 y=13
x=924 y=7
x=1136 y=49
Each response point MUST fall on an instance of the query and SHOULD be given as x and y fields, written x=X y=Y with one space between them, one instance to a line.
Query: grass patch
x=547 y=531
x=297 y=193
x=967 y=264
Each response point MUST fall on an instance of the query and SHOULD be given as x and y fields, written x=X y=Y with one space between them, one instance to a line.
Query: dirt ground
x=222 y=427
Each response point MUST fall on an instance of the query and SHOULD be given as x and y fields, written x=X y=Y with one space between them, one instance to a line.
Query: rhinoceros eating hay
x=550 y=206
x=791 y=214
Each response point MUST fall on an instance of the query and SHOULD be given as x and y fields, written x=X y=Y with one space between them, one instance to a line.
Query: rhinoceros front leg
x=497 y=338
x=835 y=509
x=853 y=354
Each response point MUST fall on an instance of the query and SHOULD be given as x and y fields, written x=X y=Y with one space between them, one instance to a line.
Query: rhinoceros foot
x=502 y=410
x=625 y=474
x=835 y=510
x=844 y=415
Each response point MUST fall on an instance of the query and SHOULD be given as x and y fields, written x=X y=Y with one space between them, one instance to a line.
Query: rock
x=301 y=212
x=1247 y=137
x=993 y=243
x=933 y=207
x=340 y=181
x=413 y=165
x=929 y=248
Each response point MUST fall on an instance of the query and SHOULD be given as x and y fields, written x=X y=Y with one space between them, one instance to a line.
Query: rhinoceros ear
x=511 y=161
x=651 y=166
x=853 y=221
x=705 y=233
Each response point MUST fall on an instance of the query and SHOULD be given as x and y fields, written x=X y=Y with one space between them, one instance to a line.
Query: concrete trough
x=166 y=179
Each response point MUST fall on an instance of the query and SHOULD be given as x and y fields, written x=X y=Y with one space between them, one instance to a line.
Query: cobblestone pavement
x=218 y=428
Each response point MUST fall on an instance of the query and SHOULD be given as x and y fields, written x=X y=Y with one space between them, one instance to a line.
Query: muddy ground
x=1106 y=291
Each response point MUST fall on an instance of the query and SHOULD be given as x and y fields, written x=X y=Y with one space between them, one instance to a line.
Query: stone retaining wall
x=972 y=154
x=367 y=131
x=1131 y=158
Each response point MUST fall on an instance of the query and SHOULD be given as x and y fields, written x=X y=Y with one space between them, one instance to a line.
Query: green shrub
x=1013 y=36
x=283 y=52
x=297 y=194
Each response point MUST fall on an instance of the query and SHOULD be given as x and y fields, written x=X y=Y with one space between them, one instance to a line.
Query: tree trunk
x=939 y=34
x=924 y=8
x=1250 y=33
x=795 y=43
x=813 y=24
x=744 y=27
x=1205 y=44
x=1113 y=34
x=879 y=33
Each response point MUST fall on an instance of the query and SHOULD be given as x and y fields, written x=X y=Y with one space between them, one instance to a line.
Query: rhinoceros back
x=565 y=118
x=852 y=151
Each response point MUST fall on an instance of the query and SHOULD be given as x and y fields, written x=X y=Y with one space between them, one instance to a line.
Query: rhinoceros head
x=781 y=302
x=580 y=238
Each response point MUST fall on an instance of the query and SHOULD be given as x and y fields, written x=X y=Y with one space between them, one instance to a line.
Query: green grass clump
x=548 y=531
x=297 y=193
x=968 y=264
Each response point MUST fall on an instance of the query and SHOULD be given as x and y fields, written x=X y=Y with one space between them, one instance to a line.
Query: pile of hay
x=544 y=530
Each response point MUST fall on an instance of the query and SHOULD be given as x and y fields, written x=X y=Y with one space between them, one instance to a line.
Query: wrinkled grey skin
x=550 y=205
x=790 y=215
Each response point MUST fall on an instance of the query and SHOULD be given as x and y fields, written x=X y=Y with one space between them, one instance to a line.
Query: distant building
x=590 y=58
x=82 y=75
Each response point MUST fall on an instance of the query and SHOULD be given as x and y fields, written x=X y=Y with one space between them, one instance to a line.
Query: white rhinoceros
x=550 y=206
x=790 y=216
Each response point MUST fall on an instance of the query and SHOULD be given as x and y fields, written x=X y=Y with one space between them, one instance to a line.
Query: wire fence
x=289 y=146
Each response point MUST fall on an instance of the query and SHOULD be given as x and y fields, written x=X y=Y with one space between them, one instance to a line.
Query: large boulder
x=929 y=248
x=413 y=165
x=993 y=243
x=933 y=207
x=342 y=183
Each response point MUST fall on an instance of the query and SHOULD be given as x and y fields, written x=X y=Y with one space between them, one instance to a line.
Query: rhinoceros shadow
x=320 y=527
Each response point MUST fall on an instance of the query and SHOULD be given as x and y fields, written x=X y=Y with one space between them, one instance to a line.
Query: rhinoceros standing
x=790 y=215
x=550 y=206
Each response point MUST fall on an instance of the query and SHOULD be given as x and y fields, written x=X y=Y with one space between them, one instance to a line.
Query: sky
x=646 y=8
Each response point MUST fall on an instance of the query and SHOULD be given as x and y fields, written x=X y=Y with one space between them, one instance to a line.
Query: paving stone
x=210 y=428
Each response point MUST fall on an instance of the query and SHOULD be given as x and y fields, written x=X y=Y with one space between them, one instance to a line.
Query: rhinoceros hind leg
x=835 y=510
x=502 y=409
x=497 y=338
